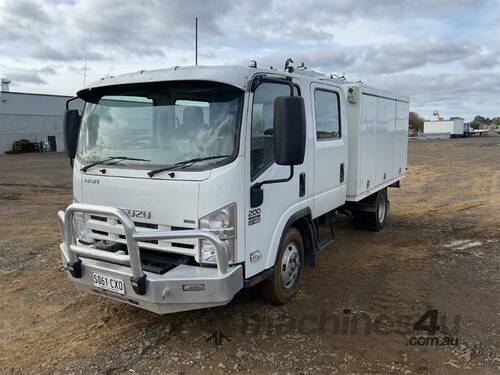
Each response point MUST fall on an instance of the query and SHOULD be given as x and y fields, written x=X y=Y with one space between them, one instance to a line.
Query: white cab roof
x=233 y=75
x=238 y=76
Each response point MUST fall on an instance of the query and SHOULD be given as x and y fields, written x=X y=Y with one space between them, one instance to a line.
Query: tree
x=416 y=122
x=479 y=121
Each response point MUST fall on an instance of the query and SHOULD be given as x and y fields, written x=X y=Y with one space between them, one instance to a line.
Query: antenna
x=196 y=41
x=85 y=70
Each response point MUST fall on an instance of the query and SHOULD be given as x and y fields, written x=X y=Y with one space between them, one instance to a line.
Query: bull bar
x=72 y=250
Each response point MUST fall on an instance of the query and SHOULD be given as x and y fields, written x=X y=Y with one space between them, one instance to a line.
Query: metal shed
x=36 y=117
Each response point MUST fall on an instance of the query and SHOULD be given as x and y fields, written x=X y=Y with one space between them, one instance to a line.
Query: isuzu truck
x=192 y=183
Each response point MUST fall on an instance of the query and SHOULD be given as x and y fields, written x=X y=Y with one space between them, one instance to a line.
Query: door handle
x=341 y=172
x=302 y=184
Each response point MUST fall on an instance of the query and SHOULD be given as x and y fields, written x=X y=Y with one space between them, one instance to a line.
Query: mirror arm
x=70 y=100
x=259 y=184
x=256 y=193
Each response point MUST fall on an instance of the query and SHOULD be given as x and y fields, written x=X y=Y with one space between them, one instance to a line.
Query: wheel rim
x=381 y=209
x=290 y=265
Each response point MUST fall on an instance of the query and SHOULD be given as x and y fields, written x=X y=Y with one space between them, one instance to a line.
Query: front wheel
x=284 y=284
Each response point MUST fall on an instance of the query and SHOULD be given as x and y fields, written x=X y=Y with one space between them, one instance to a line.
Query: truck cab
x=190 y=184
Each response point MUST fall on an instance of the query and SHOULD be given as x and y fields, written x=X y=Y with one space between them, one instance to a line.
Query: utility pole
x=196 y=41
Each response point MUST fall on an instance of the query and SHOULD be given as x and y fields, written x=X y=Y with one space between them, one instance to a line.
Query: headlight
x=80 y=228
x=223 y=223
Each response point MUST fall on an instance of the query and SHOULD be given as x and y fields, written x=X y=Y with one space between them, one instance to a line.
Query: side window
x=326 y=104
x=262 y=152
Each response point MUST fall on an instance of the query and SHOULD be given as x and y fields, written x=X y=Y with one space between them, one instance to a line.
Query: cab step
x=324 y=230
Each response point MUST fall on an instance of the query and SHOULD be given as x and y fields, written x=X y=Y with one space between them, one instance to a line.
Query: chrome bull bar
x=72 y=250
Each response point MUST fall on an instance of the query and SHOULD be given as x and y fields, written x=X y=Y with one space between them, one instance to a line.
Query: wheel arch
x=302 y=221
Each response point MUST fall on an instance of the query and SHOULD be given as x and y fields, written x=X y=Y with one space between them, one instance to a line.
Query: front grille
x=110 y=229
x=150 y=241
x=183 y=245
x=179 y=228
x=146 y=225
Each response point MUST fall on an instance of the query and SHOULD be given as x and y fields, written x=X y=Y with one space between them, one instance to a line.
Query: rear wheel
x=375 y=218
x=283 y=285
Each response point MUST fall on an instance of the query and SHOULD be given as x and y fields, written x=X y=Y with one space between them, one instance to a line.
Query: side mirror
x=289 y=130
x=71 y=129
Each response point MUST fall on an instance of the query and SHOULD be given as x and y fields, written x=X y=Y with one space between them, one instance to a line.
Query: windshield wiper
x=111 y=158
x=185 y=164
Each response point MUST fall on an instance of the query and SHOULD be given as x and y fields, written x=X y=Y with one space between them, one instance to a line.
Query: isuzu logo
x=138 y=213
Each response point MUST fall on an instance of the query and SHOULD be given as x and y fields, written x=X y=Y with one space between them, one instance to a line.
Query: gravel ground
x=354 y=313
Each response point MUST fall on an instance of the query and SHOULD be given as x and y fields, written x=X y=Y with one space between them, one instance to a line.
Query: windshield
x=164 y=123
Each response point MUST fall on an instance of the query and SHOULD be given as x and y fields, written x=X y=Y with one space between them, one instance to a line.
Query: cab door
x=264 y=224
x=330 y=148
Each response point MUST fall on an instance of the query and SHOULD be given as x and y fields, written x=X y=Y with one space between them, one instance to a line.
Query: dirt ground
x=355 y=313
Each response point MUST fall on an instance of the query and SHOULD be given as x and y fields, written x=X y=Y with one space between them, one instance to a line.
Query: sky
x=444 y=54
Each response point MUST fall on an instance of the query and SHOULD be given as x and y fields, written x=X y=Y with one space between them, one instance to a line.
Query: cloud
x=27 y=77
x=385 y=58
x=459 y=94
x=77 y=69
x=151 y=27
x=143 y=29
x=445 y=86
x=398 y=57
x=48 y=70
x=324 y=20
x=33 y=75
x=482 y=60
x=427 y=48
x=66 y=53
x=22 y=20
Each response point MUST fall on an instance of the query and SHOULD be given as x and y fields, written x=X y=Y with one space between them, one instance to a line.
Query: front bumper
x=182 y=288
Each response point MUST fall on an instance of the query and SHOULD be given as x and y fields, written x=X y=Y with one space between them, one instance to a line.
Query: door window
x=262 y=150
x=327 y=109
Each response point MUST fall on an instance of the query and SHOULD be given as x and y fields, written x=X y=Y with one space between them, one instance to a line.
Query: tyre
x=284 y=283
x=376 y=220
x=374 y=216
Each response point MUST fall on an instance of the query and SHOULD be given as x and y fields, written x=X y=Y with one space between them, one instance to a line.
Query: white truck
x=192 y=183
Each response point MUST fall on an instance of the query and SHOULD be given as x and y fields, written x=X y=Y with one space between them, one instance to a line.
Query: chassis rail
x=72 y=250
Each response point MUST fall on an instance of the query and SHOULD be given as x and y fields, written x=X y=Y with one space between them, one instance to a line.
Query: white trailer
x=193 y=183
x=454 y=127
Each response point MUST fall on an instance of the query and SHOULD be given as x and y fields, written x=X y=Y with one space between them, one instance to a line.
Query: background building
x=36 y=117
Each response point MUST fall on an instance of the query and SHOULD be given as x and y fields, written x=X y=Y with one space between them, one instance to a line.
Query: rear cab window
x=327 y=114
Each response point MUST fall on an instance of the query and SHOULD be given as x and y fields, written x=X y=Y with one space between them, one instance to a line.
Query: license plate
x=113 y=284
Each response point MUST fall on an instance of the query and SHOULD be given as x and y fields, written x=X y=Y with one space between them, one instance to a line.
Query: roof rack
x=303 y=70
